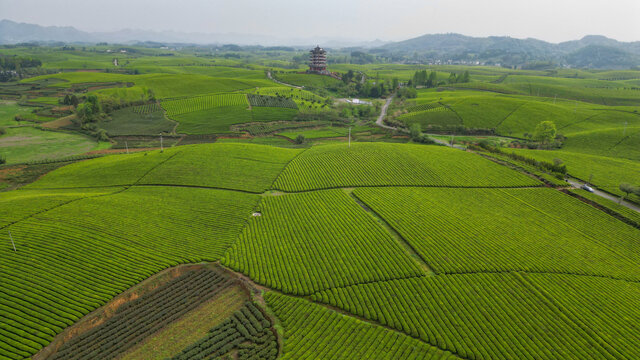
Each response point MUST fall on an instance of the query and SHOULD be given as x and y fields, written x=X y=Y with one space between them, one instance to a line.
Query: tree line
x=430 y=79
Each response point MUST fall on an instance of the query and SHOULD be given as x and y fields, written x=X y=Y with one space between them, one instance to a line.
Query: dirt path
x=281 y=83
x=577 y=184
x=383 y=113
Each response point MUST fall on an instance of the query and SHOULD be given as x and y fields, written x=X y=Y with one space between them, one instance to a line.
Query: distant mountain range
x=589 y=52
x=13 y=33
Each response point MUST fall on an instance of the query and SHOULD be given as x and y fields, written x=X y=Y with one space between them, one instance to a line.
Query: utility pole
x=126 y=146
x=12 y=243
x=161 y=147
x=624 y=133
x=349 y=136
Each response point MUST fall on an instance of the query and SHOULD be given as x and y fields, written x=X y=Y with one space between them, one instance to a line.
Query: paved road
x=577 y=184
x=281 y=83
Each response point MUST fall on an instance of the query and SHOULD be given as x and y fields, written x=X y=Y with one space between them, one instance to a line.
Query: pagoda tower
x=318 y=61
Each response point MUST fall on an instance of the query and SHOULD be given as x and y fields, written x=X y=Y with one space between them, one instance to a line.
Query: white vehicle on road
x=586 y=187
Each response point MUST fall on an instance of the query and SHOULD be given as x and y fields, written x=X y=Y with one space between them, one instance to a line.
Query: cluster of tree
x=358 y=89
x=630 y=189
x=88 y=114
x=71 y=100
x=407 y=93
x=348 y=111
x=416 y=135
x=430 y=79
x=17 y=63
x=459 y=78
x=14 y=67
x=545 y=136
x=90 y=110
x=557 y=166
x=359 y=57
x=421 y=78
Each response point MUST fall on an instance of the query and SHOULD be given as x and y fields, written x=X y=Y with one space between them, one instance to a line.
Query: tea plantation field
x=374 y=251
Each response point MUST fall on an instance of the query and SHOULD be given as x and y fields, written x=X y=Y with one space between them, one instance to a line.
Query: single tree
x=299 y=139
x=545 y=132
x=628 y=189
x=415 y=131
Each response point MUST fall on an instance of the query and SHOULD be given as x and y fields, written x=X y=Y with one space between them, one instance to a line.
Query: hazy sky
x=551 y=20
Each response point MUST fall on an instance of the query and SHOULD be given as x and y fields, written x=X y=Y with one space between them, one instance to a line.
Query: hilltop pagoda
x=318 y=61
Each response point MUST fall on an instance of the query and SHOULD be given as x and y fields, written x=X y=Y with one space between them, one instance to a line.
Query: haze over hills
x=592 y=51
x=12 y=33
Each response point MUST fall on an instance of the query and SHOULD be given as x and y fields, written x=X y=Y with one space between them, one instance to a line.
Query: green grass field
x=212 y=121
x=184 y=106
x=136 y=121
x=24 y=144
x=8 y=111
x=306 y=80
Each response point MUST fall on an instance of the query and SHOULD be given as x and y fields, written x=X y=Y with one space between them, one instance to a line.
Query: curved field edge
x=148 y=285
x=73 y=258
x=382 y=164
x=504 y=316
x=321 y=333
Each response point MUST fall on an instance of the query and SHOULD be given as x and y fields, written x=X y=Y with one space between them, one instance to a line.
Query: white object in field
x=12 y=243
x=257 y=213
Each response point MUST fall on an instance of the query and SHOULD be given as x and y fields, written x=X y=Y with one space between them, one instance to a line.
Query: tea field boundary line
x=557 y=308
x=409 y=249
x=556 y=220
x=155 y=167
x=508 y=115
x=412 y=186
x=60 y=205
x=545 y=272
x=623 y=139
x=285 y=167
x=365 y=320
x=448 y=107
x=270 y=192
x=336 y=309
x=372 y=322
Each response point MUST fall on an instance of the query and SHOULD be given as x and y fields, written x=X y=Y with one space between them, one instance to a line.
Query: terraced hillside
x=374 y=251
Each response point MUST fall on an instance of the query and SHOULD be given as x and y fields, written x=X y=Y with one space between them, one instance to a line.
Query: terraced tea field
x=376 y=250
x=380 y=164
